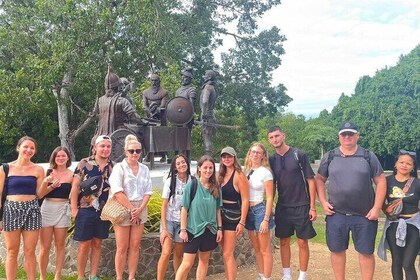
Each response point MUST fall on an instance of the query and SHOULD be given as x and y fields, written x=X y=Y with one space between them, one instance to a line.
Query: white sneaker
x=286 y=278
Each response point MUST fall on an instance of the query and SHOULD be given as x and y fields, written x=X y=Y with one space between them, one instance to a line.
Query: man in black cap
x=352 y=205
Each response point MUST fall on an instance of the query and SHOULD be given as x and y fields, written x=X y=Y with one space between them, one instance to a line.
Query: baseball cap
x=348 y=127
x=102 y=138
x=228 y=150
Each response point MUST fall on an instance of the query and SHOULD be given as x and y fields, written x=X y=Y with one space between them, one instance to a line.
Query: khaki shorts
x=143 y=215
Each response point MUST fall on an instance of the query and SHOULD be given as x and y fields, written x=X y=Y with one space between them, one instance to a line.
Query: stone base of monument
x=149 y=256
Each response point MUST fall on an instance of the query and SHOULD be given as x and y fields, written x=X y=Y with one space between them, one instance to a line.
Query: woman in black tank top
x=235 y=195
x=55 y=210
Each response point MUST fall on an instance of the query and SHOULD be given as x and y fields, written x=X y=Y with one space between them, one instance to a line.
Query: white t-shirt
x=134 y=187
x=256 y=183
x=173 y=212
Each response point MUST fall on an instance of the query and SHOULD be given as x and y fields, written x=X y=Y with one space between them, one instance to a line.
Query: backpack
x=193 y=189
x=295 y=153
x=4 y=193
x=332 y=155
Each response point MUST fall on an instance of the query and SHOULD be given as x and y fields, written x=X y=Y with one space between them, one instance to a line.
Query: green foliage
x=58 y=53
x=153 y=207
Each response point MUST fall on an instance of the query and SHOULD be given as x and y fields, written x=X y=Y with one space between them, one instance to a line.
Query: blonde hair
x=130 y=139
x=264 y=161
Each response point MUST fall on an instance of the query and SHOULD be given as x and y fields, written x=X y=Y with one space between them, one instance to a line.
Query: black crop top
x=228 y=190
x=62 y=192
x=17 y=185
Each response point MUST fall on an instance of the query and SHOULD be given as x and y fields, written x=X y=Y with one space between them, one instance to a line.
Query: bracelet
x=266 y=220
x=182 y=229
x=242 y=224
x=219 y=228
x=313 y=209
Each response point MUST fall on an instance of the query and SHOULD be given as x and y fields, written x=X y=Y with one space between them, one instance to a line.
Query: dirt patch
x=319 y=266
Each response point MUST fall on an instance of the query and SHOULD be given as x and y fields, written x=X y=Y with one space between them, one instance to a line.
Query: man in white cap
x=89 y=229
x=352 y=204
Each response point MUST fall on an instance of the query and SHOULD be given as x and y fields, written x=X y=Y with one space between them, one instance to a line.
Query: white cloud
x=332 y=43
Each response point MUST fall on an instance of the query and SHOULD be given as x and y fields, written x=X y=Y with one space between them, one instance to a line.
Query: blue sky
x=332 y=43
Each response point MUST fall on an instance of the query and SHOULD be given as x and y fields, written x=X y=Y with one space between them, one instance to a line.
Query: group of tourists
x=213 y=208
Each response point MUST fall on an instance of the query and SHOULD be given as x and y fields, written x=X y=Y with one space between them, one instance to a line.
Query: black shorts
x=203 y=243
x=88 y=225
x=291 y=219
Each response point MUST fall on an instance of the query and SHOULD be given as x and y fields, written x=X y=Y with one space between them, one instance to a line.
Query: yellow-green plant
x=154 y=206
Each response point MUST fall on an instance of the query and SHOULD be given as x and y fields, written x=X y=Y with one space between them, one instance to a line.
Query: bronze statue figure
x=207 y=103
x=187 y=90
x=155 y=98
x=113 y=109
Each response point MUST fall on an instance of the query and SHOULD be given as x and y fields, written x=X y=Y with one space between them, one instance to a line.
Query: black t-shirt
x=410 y=199
x=292 y=189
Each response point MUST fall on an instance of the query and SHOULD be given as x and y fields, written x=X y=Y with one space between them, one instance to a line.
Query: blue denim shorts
x=173 y=229
x=256 y=216
x=363 y=232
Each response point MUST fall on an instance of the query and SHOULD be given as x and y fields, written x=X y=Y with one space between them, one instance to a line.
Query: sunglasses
x=250 y=173
x=404 y=152
x=349 y=134
x=131 y=151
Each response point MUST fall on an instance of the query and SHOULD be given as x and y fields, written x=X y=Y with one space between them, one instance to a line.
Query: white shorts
x=55 y=214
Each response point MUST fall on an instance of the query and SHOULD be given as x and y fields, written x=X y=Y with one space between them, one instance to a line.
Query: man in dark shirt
x=352 y=204
x=295 y=208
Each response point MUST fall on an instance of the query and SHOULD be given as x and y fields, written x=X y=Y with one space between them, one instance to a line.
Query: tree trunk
x=62 y=96
x=68 y=137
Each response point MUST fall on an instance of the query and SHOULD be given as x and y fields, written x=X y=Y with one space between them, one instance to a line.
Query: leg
x=164 y=258
x=95 y=256
x=177 y=259
x=228 y=245
x=412 y=246
x=82 y=256
x=397 y=253
x=12 y=240
x=338 y=263
x=303 y=254
x=203 y=265
x=285 y=252
x=255 y=244
x=30 y=239
x=45 y=239
x=367 y=265
x=136 y=234
x=267 y=255
x=60 y=235
x=185 y=267
x=122 y=236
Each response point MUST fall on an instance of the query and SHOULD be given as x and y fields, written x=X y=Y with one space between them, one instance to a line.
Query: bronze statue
x=113 y=109
x=187 y=90
x=155 y=98
x=207 y=103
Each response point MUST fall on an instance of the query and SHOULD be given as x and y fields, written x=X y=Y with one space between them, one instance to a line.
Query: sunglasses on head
x=347 y=133
x=131 y=151
x=404 y=152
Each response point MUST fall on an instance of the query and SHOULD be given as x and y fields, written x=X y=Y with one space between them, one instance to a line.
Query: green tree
x=54 y=57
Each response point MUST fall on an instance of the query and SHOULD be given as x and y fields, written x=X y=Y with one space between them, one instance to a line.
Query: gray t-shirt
x=350 y=188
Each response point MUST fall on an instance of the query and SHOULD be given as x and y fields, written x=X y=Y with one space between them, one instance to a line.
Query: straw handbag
x=114 y=211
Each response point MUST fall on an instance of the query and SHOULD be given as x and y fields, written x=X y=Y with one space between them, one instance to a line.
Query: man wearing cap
x=155 y=98
x=352 y=204
x=89 y=229
x=295 y=208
